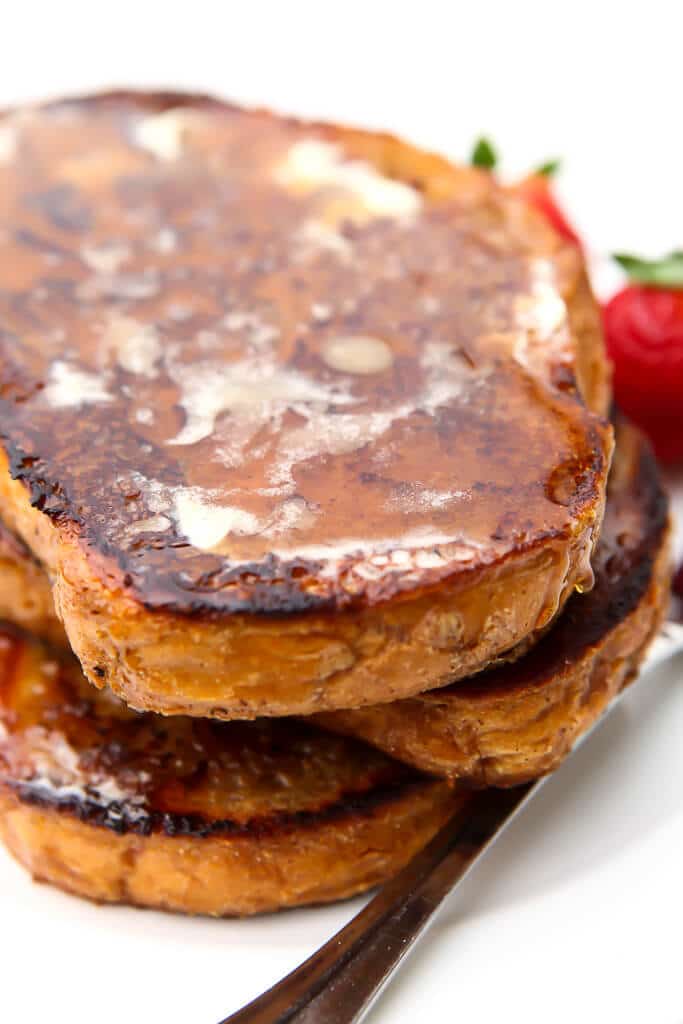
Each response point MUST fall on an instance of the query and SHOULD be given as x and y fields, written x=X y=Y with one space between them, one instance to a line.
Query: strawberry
x=535 y=188
x=644 y=334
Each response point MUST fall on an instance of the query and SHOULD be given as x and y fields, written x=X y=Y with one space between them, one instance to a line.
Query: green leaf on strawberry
x=664 y=273
x=535 y=188
x=484 y=155
x=549 y=169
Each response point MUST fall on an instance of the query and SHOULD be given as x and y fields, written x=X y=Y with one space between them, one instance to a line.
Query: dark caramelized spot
x=564 y=378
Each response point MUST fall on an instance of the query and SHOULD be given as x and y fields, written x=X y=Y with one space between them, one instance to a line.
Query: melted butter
x=312 y=165
x=541 y=319
x=69 y=387
x=161 y=134
x=137 y=346
x=357 y=354
x=314 y=237
x=204 y=518
x=205 y=524
x=208 y=524
x=165 y=241
x=212 y=527
x=153 y=524
x=58 y=774
x=255 y=391
x=257 y=331
x=415 y=498
x=105 y=259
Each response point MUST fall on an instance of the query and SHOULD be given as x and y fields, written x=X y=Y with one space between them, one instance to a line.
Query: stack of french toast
x=314 y=516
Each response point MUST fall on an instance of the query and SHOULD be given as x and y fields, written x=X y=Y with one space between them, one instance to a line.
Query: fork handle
x=339 y=983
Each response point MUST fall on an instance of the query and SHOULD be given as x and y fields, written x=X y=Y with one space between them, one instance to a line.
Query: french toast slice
x=189 y=815
x=297 y=417
x=519 y=720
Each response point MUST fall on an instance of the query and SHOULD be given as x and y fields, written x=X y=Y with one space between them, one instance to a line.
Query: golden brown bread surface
x=193 y=816
x=297 y=417
x=25 y=592
x=518 y=721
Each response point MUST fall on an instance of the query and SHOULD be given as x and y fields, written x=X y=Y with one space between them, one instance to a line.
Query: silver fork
x=341 y=981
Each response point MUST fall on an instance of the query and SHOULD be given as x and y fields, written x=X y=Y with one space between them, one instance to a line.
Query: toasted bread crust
x=221 y=876
x=518 y=721
x=190 y=816
x=250 y=625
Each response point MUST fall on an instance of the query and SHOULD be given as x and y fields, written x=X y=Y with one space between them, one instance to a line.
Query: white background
x=575 y=916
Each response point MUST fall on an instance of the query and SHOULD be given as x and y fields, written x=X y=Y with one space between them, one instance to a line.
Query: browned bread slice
x=194 y=816
x=297 y=417
x=518 y=721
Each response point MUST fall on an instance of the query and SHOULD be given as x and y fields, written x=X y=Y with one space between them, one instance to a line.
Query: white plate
x=575 y=915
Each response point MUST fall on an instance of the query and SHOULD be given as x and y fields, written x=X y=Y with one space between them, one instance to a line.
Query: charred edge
x=153 y=101
x=122 y=818
x=271 y=588
x=277 y=590
x=593 y=469
x=46 y=496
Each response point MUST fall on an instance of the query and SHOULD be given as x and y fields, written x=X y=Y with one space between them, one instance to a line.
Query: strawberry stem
x=484 y=155
x=664 y=273
x=549 y=169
